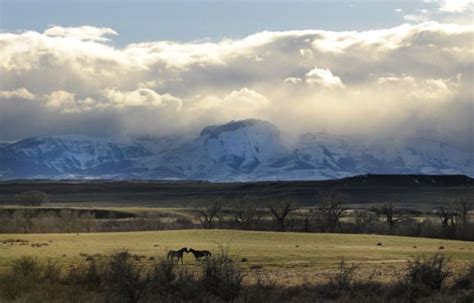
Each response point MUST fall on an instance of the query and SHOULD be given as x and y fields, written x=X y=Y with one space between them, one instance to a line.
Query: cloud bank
x=409 y=80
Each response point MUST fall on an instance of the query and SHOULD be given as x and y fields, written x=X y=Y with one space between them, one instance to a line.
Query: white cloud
x=456 y=6
x=60 y=99
x=142 y=97
x=323 y=77
x=394 y=79
x=416 y=18
x=238 y=104
x=83 y=33
x=66 y=102
x=21 y=93
x=293 y=78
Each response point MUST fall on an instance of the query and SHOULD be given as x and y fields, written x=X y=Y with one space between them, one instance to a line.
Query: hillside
x=407 y=189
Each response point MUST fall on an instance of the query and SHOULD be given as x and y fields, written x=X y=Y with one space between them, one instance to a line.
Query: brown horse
x=178 y=254
x=198 y=254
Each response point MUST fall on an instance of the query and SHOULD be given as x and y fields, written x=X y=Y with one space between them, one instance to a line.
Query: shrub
x=172 y=283
x=466 y=281
x=163 y=276
x=89 y=276
x=222 y=276
x=51 y=272
x=430 y=272
x=120 y=278
x=124 y=279
x=424 y=277
x=26 y=267
x=344 y=278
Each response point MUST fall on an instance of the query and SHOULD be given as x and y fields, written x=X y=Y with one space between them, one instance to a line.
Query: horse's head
x=185 y=249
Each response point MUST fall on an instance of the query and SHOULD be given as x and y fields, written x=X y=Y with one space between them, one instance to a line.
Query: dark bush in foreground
x=424 y=276
x=122 y=278
x=222 y=276
x=430 y=272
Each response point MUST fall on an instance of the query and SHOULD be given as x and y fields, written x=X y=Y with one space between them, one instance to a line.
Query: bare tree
x=247 y=215
x=69 y=220
x=447 y=214
x=87 y=221
x=208 y=214
x=280 y=210
x=392 y=215
x=309 y=217
x=331 y=209
x=463 y=207
x=24 y=218
x=32 y=198
x=364 y=218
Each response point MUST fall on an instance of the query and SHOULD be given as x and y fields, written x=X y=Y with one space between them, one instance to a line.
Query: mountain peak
x=215 y=130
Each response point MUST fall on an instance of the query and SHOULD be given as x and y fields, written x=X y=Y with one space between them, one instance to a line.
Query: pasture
x=292 y=258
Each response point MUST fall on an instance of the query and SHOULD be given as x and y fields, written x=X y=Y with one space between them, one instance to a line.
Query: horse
x=177 y=254
x=200 y=254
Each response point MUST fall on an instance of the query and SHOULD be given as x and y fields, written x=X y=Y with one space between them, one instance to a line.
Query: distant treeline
x=332 y=214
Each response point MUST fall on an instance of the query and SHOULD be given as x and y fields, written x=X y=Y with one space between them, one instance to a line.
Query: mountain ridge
x=246 y=150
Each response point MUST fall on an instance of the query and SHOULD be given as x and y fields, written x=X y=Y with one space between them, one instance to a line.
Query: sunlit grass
x=292 y=256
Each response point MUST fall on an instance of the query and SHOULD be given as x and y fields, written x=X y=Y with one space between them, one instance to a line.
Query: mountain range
x=244 y=150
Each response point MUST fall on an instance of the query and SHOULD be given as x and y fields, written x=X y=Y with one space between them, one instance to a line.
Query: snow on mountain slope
x=328 y=155
x=239 y=150
x=224 y=152
x=68 y=156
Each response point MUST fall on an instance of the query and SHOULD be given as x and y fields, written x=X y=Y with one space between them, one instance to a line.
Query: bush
x=466 y=281
x=27 y=275
x=123 y=279
x=120 y=278
x=222 y=276
x=90 y=276
x=164 y=276
x=424 y=277
x=430 y=272
x=344 y=278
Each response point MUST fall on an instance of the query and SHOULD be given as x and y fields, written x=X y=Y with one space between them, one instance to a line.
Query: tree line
x=332 y=213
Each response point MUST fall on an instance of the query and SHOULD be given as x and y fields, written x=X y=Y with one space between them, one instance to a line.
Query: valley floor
x=290 y=258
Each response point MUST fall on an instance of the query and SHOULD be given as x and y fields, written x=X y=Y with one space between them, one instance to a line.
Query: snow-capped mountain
x=243 y=150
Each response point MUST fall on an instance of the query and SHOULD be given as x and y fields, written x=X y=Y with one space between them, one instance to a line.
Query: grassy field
x=287 y=257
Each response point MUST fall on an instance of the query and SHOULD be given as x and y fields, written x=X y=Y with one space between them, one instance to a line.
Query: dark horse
x=178 y=254
x=198 y=254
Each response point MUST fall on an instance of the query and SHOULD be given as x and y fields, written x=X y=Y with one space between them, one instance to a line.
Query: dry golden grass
x=288 y=257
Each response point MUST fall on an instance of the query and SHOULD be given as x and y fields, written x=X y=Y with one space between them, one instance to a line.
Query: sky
x=156 y=68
